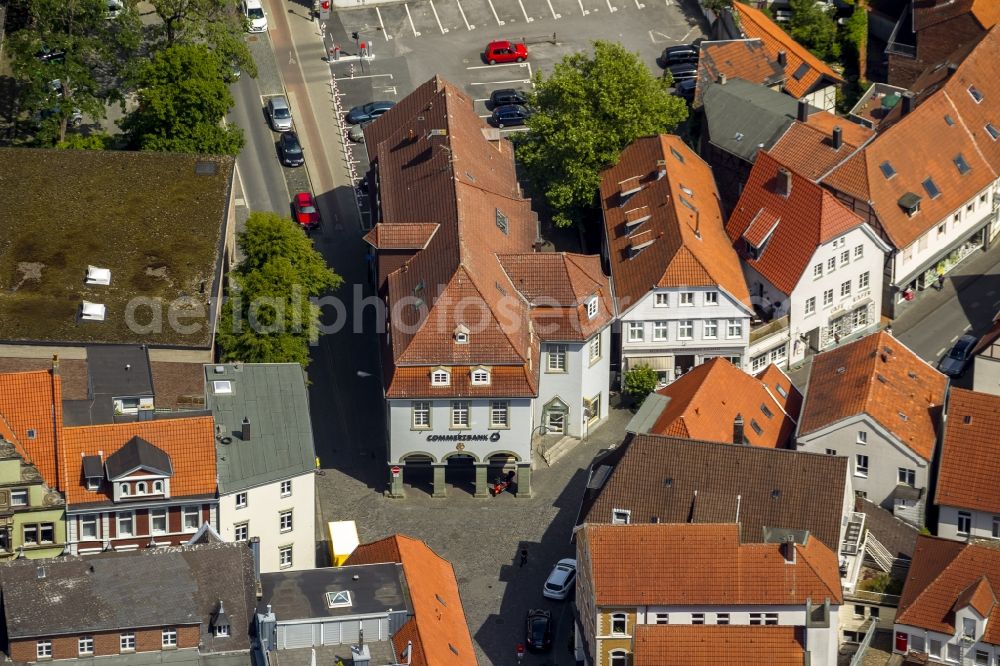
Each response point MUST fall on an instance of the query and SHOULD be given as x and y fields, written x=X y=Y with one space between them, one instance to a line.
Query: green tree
x=182 y=101
x=640 y=381
x=216 y=23
x=716 y=5
x=590 y=108
x=814 y=27
x=269 y=317
x=854 y=39
x=85 y=142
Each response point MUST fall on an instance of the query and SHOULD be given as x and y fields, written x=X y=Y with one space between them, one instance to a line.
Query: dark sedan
x=511 y=115
x=369 y=111
x=686 y=70
x=538 y=630
x=291 y=150
x=958 y=358
x=505 y=97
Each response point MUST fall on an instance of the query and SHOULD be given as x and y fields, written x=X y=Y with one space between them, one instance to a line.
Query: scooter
x=502 y=483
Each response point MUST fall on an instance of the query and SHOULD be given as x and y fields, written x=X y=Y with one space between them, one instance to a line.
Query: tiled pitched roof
x=514 y=381
x=31 y=419
x=781 y=389
x=703 y=565
x=807 y=148
x=802 y=69
x=879 y=376
x=709 y=645
x=970 y=452
x=439 y=629
x=707 y=399
x=942 y=573
x=413 y=236
x=985 y=12
x=809 y=217
x=189 y=441
x=896 y=535
x=682 y=205
x=979 y=595
x=669 y=478
x=745 y=59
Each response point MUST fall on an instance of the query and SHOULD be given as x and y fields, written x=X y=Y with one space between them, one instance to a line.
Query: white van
x=256 y=17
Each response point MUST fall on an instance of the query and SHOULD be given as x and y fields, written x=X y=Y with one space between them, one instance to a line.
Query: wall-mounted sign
x=492 y=437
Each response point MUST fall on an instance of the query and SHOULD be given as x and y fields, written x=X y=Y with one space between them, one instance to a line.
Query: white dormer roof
x=92 y=311
x=97 y=275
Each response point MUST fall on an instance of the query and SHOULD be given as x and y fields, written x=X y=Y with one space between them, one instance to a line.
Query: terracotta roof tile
x=708 y=645
x=985 y=12
x=755 y=24
x=809 y=217
x=745 y=59
x=388 y=236
x=189 y=441
x=781 y=389
x=970 y=452
x=681 y=202
x=879 y=376
x=703 y=565
x=439 y=629
x=72 y=373
x=31 y=408
x=510 y=381
x=807 y=148
x=708 y=398
x=979 y=595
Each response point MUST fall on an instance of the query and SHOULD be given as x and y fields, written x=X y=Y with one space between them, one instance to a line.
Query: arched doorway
x=418 y=472
x=500 y=464
x=460 y=472
x=555 y=415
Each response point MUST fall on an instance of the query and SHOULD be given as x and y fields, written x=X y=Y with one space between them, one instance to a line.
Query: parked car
x=511 y=115
x=291 y=150
x=367 y=112
x=279 y=113
x=357 y=132
x=958 y=358
x=685 y=88
x=684 y=70
x=560 y=581
x=538 y=630
x=506 y=96
x=505 y=51
x=253 y=10
x=306 y=213
x=675 y=55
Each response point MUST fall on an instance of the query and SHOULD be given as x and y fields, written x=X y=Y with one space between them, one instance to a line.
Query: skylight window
x=976 y=95
x=948 y=119
x=960 y=164
x=338 y=599
x=887 y=169
x=800 y=72
x=931 y=188
x=993 y=131
x=502 y=224
x=222 y=387
x=673 y=151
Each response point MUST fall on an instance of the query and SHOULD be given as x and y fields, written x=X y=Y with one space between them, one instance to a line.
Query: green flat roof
x=154 y=219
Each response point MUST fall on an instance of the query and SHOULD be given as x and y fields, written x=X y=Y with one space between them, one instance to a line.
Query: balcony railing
x=901 y=30
x=766 y=329
x=900 y=49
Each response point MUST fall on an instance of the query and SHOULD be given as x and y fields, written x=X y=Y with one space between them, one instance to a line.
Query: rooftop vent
x=97 y=275
x=803 y=111
x=782 y=59
x=219 y=369
x=837 y=139
x=205 y=168
x=92 y=311
x=775 y=494
x=668 y=482
x=245 y=429
x=910 y=203
x=841 y=370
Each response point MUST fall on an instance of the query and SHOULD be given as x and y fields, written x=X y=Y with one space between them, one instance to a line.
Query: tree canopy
x=814 y=27
x=216 y=23
x=640 y=381
x=587 y=111
x=268 y=316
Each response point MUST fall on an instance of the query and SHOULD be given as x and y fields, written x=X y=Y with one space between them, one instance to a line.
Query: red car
x=505 y=52
x=306 y=213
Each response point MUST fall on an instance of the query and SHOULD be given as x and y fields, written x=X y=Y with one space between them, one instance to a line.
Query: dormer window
x=440 y=377
x=93 y=483
x=123 y=489
x=461 y=335
x=480 y=376
x=157 y=487
x=140 y=488
x=591 y=307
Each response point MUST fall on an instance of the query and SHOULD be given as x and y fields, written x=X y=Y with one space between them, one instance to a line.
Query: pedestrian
x=940 y=281
x=524 y=556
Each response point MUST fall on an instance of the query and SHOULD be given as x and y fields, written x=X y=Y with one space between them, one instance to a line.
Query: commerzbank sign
x=492 y=437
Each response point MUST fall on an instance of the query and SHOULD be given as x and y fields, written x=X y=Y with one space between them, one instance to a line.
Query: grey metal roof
x=273 y=397
x=137 y=453
x=648 y=413
x=92 y=468
x=119 y=370
x=145 y=588
x=301 y=595
x=744 y=117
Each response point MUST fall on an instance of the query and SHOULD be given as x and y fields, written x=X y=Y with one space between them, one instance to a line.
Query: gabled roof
x=807 y=148
x=879 y=376
x=511 y=381
x=438 y=627
x=688 y=243
x=703 y=403
x=970 y=452
x=745 y=59
x=31 y=418
x=710 y=645
x=985 y=12
x=947 y=575
x=809 y=217
x=135 y=455
x=702 y=565
x=678 y=480
x=388 y=236
x=743 y=117
x=803 y=70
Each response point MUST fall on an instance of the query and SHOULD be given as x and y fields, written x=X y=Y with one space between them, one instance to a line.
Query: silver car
x=279 y=114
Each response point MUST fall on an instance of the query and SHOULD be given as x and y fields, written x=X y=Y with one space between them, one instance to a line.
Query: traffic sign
x=396 y=471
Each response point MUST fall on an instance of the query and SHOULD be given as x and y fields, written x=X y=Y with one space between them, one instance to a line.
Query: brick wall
x=105 y=643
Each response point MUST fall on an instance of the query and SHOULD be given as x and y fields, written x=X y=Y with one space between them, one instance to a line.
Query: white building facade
x=573 y=386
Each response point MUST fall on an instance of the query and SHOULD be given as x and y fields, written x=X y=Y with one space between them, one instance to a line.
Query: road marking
x=462 y=12
x=554 y=15
x=503 y=64
x=381 y=23
x=412 y=27
x=526 y=17
x=954 y=338
x=493 y=83
x=514 y=129
x=488 y=115
x=688 y=34
x=639 y=5
x=436 y=18
x=611 y=8
x=495 y=15
x=585 y=11
x=484 y=99
x=371 y=76
x=291 y=58
x=940 y=352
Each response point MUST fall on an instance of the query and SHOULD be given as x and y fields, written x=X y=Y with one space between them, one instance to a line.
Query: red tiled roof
x=945 y=574
x=703 y=565
x=970 y=452
x=388 y=236
x=781 y=389
x=438 y=629
x=682 y=204
x=745 y=59
x=190 y=443
x=755 y=24
x=705 y=401
x=809 y=217
x=709 y=645
x=513 y=381
x=985 y=12
x=879 y=376
x=31 y=402
x=807 y=148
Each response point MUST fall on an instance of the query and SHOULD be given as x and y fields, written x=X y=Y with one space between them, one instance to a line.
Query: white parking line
x=940 y=352
x=462 y=12
x=493 y=83
x=611 y=8
x=436 y=18
x=585 y=11
x=495 y=15
x=412 y=27
x=554 y=15
x=526 y=17
x=381 y=23
x=515 y=129
x=639 y=5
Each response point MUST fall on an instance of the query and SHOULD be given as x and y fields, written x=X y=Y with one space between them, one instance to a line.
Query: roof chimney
x=55 y=364
x=723 y=78
x=908 y=101
x=838 y=138
x=738 y=429
x=788 y=549
x=782 y=59
x=784 y=182
x=245 y=429
x=803 y=111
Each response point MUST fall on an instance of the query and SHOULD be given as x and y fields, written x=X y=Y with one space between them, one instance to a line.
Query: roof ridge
x=972 y=137
x=940 y=573
x=806 y=551
x=475 y=284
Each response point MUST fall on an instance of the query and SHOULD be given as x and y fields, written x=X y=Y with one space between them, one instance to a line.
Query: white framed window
x=845 y=289
x=285 y=557
x=777 y=354
x=618 y=658
x=85 y=645
x=861 y=466
x=592 y=307
x=697 y=618
x=125 y=523
x=420 y=414
x=859 y=251
x=818 y=271
x=996 y=527
x=659 y=331
x=557 y=358
x=906 y=477
x=810 y=305
x=286 y=488
x=592 y=409
x=88 y=526
x=459 y=414
x=964 y=522
x=687 y=298
x=831 y=264
x=123 y=489
x=169 y=638
x=756 y=618
x=192 y=518
x=221 y=630
x=661 y=618
x=954 y=652
x=619 y=624
x=662 y=300
x=43 y=649
x=621 y=517
x=19 y=497
x=863 y=280
x=827 y=297
x=711 y=298
x=157 y=487
x=140 y=488
x=499 y=414
x=758 y=362
x=711 y=329
x=241 y=500
x=285 y=521
x=934 y=648
x=126 y=642
x=862 y=437
x=982 y=658
x=595 y=348
x=831 y=452
x=734 y=328
x=770 y=618
x=480 y=376
x=685 y=329
x=845 y=257
x=636 y=331
x=158 y=521
x=722 y=618
x=440 y=377
x=241 y=532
